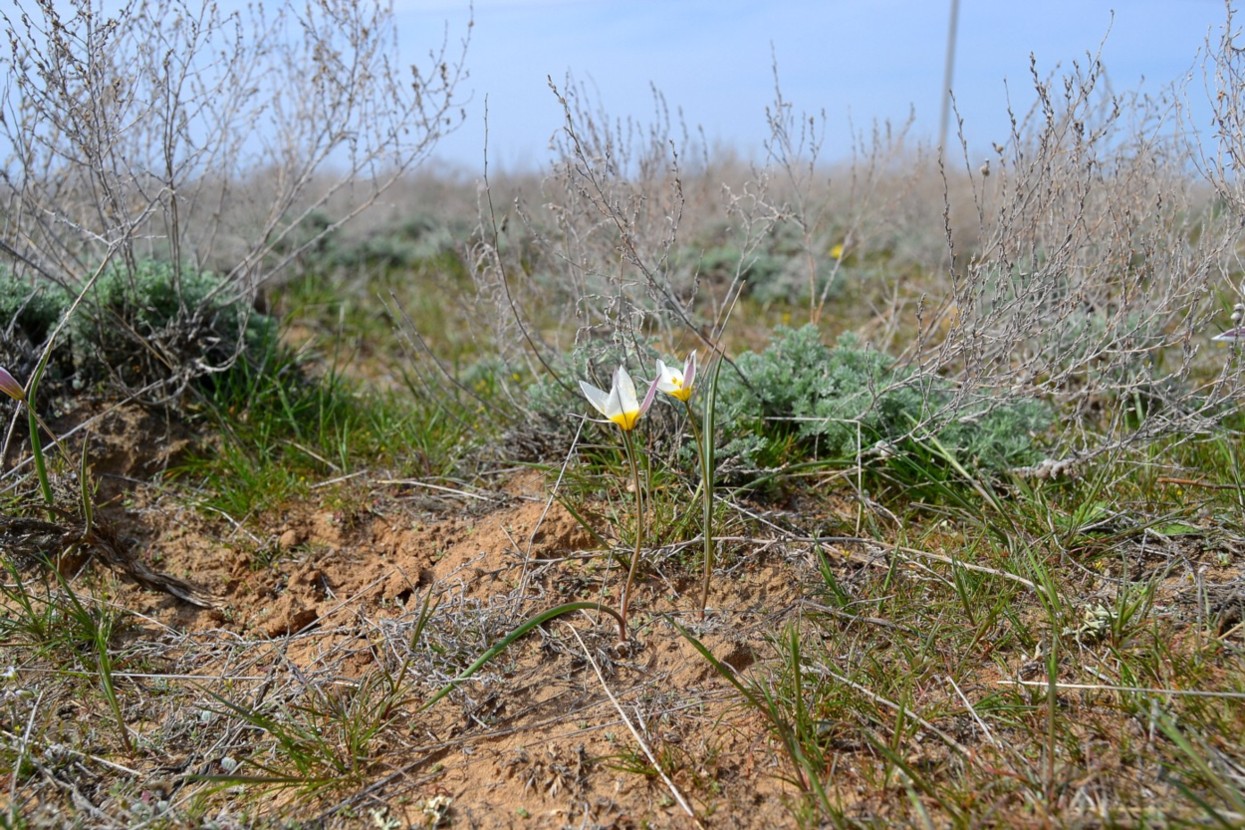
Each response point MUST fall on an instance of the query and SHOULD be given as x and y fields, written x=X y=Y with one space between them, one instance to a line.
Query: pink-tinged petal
x=10 y=386
x=648 y=396
x=1231 y=335
x=689 y=370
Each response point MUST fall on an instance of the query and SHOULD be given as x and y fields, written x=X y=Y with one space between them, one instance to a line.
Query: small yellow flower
x=676 y=383
x=836 y=251
x=10 y=386
x=619 y=404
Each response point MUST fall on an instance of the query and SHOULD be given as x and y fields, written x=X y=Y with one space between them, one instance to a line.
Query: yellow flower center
x=683 y=393
x=627 y=420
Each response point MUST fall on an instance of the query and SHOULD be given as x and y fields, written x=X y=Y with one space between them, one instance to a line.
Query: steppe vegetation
x=307 y=521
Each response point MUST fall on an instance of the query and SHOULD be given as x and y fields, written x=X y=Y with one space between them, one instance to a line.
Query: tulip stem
x=34 y=422
x=36 y=448
x=639 y=530
x=706 y=490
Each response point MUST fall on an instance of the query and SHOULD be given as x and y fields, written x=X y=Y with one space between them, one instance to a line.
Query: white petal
x=625 y=389
x=665 y=377
x=598 y=398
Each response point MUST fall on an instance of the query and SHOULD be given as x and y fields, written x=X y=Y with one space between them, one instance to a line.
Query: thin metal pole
x=948 y=70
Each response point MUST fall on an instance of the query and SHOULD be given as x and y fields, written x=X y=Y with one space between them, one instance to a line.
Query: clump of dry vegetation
x=973 y=532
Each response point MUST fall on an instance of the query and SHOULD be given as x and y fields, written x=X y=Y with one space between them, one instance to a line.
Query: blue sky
x=859 y=60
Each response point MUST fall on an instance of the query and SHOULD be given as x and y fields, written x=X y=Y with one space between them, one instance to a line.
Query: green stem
x=36 y=447
x=707 y=467
x=639 y=531
x=706 y=491
x=101 y=628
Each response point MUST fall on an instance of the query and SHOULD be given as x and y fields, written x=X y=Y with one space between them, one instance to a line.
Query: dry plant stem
x=972 y=710
x=1052 y=710
x=1110 y=687
x=495 y=251
x=23 y=746
x=947 y=739
x=1191 y=482
x=968 y=566
x=635 y=733
x=553 y=495
x=639 y=532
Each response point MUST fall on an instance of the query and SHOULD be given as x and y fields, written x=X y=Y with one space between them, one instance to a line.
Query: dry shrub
x=640 y=235
x=1095 y=276
x=173 y=131
x=1084 y=265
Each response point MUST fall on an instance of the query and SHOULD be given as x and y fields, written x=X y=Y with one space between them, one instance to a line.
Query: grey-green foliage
x=787 y=245
x=416 y=239
x=776 y=270
x=805 y=400
x=155 y=323
x=30 y=311
x=723 y=262
x=151 y=324
x=1081 y=339
x=790 y=283
x=420 y=237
